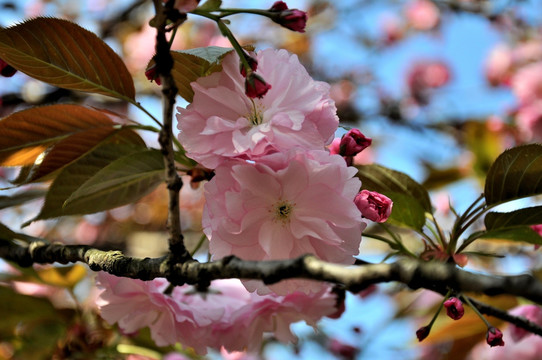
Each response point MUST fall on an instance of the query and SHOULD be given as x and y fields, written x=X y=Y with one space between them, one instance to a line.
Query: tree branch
x=438 y=277
x=164 y=64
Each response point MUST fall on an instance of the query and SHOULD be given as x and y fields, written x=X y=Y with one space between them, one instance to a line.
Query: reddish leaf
x=64 y=54
x=51 y=137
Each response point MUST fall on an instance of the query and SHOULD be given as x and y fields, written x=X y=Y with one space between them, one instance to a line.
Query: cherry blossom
x=282 y=206
x=494 y=337
x=296 y=112
x=214 y=318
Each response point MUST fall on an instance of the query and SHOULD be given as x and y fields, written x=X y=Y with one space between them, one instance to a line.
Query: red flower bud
x=353 y=142
x=494 y=337
x=292 y=19
x=253 y=63
x=6 y=70
x=255 y=86
x=423 y=332
x=151 y=75
x=373 y=206
x=454 y=308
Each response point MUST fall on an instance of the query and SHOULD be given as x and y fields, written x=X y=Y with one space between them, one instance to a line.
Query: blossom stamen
x=282 y=210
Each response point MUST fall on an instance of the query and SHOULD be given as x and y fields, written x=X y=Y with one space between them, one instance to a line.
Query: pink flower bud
x=151 y=75
x=494 y=337
x=353 y=142
x=253 y=63
x=454 y=308
x=373 y=205
x=423 y=332
x=255 y=86
x=6 y=70
x=292 y=19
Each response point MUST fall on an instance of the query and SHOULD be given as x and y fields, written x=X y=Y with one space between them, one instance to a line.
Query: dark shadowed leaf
x=125 y=180
x=75 y=175
x=521 y=217
x=190 y=65
x=64 y=54
x=516 y=173
x=21 y=197
x=518 y=233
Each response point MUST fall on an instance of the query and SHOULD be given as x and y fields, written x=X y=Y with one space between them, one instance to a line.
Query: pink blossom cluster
x=520 y=67
x=213 y=319
x=277 y=193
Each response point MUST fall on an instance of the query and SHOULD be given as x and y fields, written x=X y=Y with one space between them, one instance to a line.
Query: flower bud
x=292 y=19
x=152 y=75
x=255 y=86
x=423 y=332
x=494 y=337
x=353 y=142
x=454 y=308
x=253 y=63
x=6 y=70
x=373 y=205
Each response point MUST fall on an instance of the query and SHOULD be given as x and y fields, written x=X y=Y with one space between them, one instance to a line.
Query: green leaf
x=518 y=233
x=516 y=173
x=210 y=5
x=75 y=175
x=125 y=180
x=21 y=198
x=521 y=217
x=406 y=212
x=64 y=54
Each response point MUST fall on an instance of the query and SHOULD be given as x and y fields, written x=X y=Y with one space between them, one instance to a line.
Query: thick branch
x=439 y=277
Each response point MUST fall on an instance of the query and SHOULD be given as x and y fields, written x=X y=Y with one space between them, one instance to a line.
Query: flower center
x=256 y=115
x=282 y=210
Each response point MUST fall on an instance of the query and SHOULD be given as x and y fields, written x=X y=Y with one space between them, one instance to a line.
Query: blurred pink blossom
x=238 y=355
x=282 y=206
x=527 y=83
x=498 y=66
x=345 y=351
x=392 y=29
x=529 y=121
x=422 y=15
x=530 y=312
x=296 y=112
x=185 y=6
x=526 y=52
x=425 y=75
